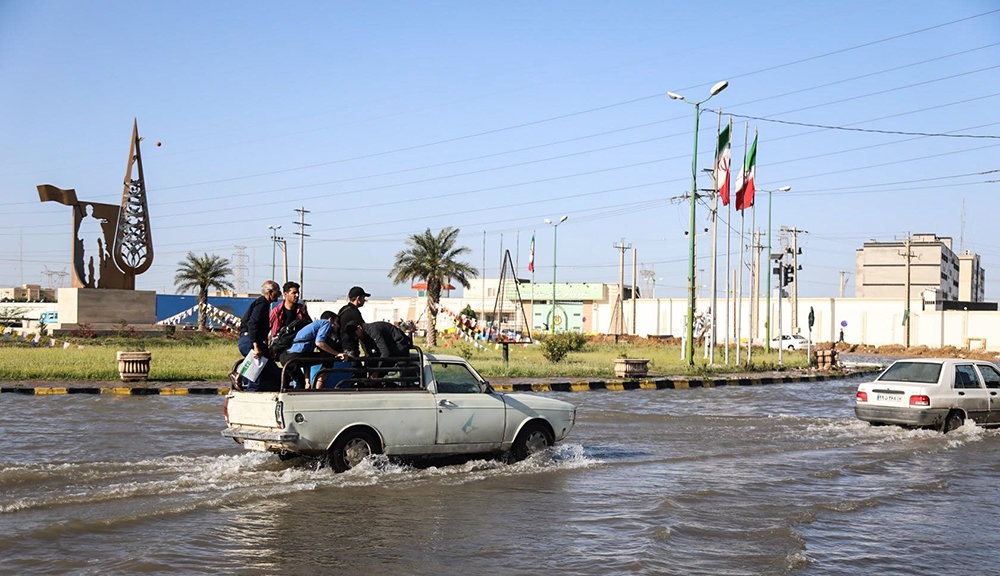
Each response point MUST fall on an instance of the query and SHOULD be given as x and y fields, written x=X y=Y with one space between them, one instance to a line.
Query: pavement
x=553 y=384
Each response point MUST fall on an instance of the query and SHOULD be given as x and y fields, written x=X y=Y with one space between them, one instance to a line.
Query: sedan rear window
x=919 y=372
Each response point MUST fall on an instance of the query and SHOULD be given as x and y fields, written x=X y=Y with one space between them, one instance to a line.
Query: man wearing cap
x=350 y=314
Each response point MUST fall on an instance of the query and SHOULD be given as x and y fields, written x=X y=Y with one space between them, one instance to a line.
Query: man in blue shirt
x=317 y=340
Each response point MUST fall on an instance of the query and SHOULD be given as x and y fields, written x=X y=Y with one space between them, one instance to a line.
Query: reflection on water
x=777 y=479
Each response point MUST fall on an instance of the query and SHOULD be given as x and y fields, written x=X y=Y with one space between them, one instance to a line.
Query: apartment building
x=924 y=263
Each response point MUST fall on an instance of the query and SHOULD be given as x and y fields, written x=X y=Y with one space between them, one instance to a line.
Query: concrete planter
x=133 y=366
x=631 y=367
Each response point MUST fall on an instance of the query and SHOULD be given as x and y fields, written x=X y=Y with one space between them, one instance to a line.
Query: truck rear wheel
x=351 y=448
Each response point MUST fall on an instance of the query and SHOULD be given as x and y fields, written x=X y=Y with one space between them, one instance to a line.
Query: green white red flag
x=531 y=255
x=744 y=196
x=723 y=157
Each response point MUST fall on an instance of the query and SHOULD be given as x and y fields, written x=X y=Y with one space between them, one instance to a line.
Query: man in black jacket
x=385 y=340
x=386 y=347
x=350 y=314
x=254 y=330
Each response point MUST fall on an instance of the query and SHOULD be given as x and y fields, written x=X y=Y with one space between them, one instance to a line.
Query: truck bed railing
x=326 y=373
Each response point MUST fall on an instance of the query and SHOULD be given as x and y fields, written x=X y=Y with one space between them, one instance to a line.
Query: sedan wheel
x=954 y=420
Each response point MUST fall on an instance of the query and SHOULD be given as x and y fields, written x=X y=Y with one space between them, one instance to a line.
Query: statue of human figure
x=94 y=246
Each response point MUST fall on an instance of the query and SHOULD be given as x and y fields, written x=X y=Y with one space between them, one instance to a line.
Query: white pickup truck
x=423 y=405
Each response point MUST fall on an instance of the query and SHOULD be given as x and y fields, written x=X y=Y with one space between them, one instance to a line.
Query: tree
x=201 y=273
x=432 y=259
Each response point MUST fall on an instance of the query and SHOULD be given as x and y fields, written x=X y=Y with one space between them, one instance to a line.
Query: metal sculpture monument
x=111 y=244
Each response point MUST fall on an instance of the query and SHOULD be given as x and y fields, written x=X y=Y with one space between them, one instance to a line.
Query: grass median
x=191 y=356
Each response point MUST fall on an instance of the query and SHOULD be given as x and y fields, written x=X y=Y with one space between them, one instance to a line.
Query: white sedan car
x=790 y=342
x=932 y=393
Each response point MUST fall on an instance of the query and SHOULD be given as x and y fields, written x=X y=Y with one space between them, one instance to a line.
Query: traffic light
x=787 y=274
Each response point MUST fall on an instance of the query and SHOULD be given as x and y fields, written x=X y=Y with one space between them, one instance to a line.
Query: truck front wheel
x=534 y=437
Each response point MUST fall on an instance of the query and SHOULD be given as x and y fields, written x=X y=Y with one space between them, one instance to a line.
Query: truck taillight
x=279 y=416
x=862 y=396
x=920 y=400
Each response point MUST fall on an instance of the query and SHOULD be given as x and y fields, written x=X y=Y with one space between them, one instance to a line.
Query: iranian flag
x=744 y=196
x=723 y=157
x=531 y=255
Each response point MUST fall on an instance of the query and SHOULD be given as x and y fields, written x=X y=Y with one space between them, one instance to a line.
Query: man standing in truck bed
x=350 y=314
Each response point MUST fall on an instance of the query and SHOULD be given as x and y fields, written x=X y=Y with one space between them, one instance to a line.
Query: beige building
x=971 y=278
x=28 y=293
x=924 y=263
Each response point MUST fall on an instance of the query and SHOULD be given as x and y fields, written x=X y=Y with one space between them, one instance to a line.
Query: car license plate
x=254 y=445
x=888 y=398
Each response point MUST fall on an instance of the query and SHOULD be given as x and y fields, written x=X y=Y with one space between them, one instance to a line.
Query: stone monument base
x=105 y=312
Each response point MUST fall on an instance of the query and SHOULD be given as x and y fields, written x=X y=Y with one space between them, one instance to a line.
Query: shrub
x=555 y=347
x=84 y=331
x=464 y=349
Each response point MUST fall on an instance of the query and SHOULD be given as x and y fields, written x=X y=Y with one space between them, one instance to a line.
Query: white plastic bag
x=251 y=367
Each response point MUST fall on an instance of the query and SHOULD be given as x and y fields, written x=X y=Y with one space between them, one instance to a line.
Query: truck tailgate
x=252 y=409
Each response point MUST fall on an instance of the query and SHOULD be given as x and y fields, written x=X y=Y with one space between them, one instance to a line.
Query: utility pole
x=908 y=256
x=621 y=247
x=794 y=232
x=755 y=273
x=843 y=282
x=283 y=246
x=634 y=291
x=302 y=237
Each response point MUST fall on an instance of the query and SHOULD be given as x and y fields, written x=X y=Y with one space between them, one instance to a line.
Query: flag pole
x=755 y=258
x=740 y=205
x=729 y=244
x=531 y=266
x=713 y=334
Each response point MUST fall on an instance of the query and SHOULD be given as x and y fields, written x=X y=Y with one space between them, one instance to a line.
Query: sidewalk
x=552 y=384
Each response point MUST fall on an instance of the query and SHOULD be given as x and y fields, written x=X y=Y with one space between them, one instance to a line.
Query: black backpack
x=285 y=336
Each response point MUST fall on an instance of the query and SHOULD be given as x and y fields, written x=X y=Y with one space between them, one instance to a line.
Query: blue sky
x=384 y=119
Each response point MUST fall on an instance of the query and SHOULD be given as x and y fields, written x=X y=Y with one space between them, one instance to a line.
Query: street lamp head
x=563 y=219
x=784 y=189
x=718 y=87
x=675 y=95
x=547 y=221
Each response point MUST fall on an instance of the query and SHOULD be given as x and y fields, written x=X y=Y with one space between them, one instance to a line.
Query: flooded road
x=778 y=479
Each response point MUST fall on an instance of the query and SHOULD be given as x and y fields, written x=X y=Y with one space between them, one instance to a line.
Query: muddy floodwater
x=778 y=479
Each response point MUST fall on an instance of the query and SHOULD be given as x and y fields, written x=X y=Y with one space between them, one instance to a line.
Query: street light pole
x=767 y=321
x=689 y=344
x=555 y=238
x=274 y=244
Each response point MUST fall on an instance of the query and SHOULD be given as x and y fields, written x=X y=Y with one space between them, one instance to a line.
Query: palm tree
x=432 y=259
x=202 y=273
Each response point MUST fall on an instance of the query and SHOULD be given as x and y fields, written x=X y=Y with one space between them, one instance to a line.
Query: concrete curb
x=666 y=383
x=551 y=385
x=124 y=390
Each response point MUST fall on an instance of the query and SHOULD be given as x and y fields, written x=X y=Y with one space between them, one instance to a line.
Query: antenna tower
x=54 y=279
x=648 y=280
x=240 y=267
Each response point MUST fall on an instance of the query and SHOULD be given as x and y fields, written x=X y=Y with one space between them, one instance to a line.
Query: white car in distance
x=790 y=342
